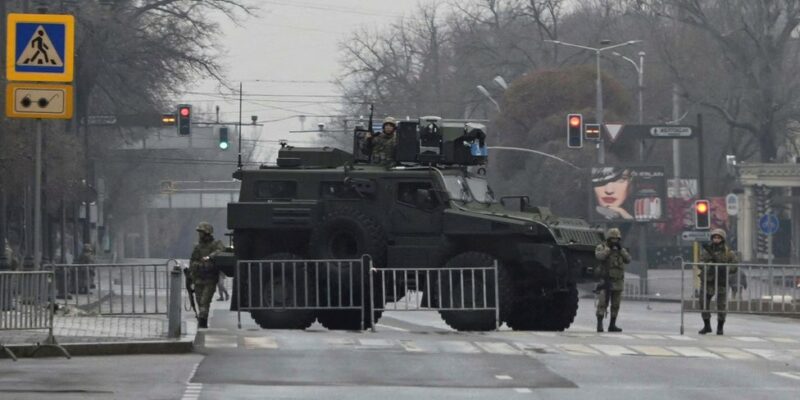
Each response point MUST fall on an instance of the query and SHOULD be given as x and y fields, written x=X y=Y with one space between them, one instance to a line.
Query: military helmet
x=88 y=247
x=205 y=227
x=391 y=121
x=613 y=233
x=719 y=232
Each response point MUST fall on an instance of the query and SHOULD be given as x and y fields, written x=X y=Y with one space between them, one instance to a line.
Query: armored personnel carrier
x=433 y=209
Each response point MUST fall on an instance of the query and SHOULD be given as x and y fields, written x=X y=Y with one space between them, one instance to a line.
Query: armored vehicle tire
x=347 y=233
x=283 y=319
x=469 y=320
x=544 y=313
x=561 y=310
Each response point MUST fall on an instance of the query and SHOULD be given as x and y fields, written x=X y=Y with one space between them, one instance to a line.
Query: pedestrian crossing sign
x=40 y=47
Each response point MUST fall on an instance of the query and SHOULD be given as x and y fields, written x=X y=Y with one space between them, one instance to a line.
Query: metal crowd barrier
x=300 y=285
x=449 y=289
x=114 y=289
x=745 y=288
x=27 y=303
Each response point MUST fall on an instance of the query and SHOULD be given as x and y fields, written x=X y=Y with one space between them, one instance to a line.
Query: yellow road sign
x=40 y=47
x=37 y=100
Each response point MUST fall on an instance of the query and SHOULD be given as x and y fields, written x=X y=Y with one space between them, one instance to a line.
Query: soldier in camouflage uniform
x=86 y=274
x=203 y=272
x=714 y=278
x=382 y=146
x=612 y=257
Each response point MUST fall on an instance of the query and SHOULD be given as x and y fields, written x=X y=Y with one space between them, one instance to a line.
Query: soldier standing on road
x=612 y=257
x=382 y=146
x=86 y=273
x=714 y=279
x=203 y=272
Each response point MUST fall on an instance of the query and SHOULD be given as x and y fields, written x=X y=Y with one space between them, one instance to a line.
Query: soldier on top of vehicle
x=381 y=147
x=714 y=279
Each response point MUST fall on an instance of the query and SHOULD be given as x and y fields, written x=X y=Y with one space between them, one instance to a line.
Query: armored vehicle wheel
x=561 y=309
x=469 y=320
x=283 y=295
x=538 y=312
x=347 y=233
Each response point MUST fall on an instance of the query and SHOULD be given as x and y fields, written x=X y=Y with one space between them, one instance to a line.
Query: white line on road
x=503 y=377
x=790 y=375
x=749 y=339
x=681 y=338
x=260 y=342
x=522 y=390
x=614 y=350
x=578 y=350
x=219 y=341
x=647 y=336
x=394 y=328
x=498 y=348
x=769 y=354
x=457 y=346
x=375 y=342
x=654 y=351
x=783 y=340
x=410 y=346
x=732 y=353
x=697 y=352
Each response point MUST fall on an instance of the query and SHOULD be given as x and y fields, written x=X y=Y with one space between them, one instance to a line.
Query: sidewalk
x=112 y=335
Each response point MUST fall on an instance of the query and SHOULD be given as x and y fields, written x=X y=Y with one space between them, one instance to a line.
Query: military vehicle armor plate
x=433 y=210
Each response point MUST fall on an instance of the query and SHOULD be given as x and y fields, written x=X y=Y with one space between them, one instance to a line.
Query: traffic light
x=168 y=119
x=702 y=214
x=592 y=131
x=223 y=138
x=184 y=119
x=574 y=131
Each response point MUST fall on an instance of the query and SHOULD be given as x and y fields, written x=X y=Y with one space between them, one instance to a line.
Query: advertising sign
x=628 y=194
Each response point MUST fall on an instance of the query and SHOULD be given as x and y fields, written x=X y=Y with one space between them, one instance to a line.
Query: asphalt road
x=414 y=355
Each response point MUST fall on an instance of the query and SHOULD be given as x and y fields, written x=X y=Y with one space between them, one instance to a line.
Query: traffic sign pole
x=37 y=202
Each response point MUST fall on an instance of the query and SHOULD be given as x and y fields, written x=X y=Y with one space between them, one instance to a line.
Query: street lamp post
x=488 y=96
x=601 y=156
x=640 y=90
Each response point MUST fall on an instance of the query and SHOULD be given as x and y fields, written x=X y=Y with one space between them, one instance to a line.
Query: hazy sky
x=289 y=49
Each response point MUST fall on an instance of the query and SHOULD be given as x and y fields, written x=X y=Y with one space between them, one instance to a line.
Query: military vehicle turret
x=434 y=209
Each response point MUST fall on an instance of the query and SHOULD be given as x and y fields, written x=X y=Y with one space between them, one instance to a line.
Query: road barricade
x=292 y=284
x=27 y=304
x=114 y=289
x=744 y=288
x=467 y=289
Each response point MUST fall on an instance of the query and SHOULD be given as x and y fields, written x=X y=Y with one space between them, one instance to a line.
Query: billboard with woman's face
x=635 y=194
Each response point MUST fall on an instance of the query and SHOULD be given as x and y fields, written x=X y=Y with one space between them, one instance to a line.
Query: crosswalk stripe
x=536 y=348
x=614 y=350
x=681 y=338
x=697 y=352
x=654 y=351
x=410 y=346
x=260 y=342
x=649 y=336
x=790 y=375
x=221 y=341
x=578 y=350
x=522 y=390
x=732 y=353
x=769 y=354
x=497 y=348
x=339 y=341
x=616 y=336
x=783 y=340
x=749 y=339
x=458 y=346
x=375 y=342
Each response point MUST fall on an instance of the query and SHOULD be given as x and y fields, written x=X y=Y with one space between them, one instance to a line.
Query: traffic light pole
x=37 y=202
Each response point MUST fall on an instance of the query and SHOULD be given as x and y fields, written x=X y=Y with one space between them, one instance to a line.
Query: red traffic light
x=702 y=214
x=574 y=121
x=702 y=207
x=185 y=111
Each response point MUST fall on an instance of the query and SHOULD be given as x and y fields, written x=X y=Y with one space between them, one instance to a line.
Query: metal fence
x=27 y=304
x=114 y=289
x=300 y=285
x=741 y=288
x=452 y=289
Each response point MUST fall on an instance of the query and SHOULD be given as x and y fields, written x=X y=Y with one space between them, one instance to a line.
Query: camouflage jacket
x=85 y=258
x=204 y=271
x=612 y=265
x=381 y=148
x=717 y=255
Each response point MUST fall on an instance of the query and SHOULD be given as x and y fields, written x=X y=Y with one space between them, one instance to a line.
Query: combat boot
x=612 y=327
x=706 y=327
x=599 y=323
x=202 y=323
x=720 y=323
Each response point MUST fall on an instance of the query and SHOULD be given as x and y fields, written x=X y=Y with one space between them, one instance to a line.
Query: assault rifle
x=190 y=289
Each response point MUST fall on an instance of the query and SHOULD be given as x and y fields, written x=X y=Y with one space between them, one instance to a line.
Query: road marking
x=790 y=375
x=457 y=346
x=193 y=391
x=681 y=338
x=522 y=390
x=537 y=348
x=497 y=348
x=578 y=350
x=783 y=340
x=656 y=351
x=694 y=352
x=220 y=341
x=410 y=346
x=773 y=355
x=339 y=342
x=375 y=342
x=503 y=377
x=394 y=328
x=614 y=350
x=616 y=335
x=260 y=342
x=732 y=353
x=650 y=336
x=749 y=339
